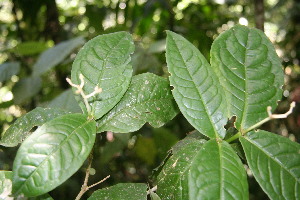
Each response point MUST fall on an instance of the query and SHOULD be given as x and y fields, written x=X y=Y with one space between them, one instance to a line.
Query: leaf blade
x=52 y=154
x=274 y=162
x=250 y=71
x=8 y=69
x=197 y=89
x=104 y=62
x=148 y=99
x=20 y=129
x=132 y=191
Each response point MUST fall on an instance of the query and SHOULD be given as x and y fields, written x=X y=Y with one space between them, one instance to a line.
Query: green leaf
x=55 y=55
x=104 y=61
x=146 y=146
x=26 y=88
x=29 y=48
x=148 y=99
x=21 y=128
x=197 y=89
x=173 y=179
x=250 y=72
x=132 y=191
x=8 y=69
x=154 y=196
x=5 y=184
x=208 y=171
x=65 y=101
x=274 y=162
x=52 y=154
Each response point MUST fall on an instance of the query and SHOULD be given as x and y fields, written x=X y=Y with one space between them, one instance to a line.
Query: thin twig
x=152 y=190
x=85 y=187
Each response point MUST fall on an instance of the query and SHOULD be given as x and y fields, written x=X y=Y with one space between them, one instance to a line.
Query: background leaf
x=250 y=72
x=8 y=69
x=29 y=48
x=132 y=191
x=26 y=88
x=104 y=61
x=197 y=90
x=274 y=162
x=148 y=99
x=217 y=173
x=21 y=128
x=5 y=184
x=173 y=179
x=53 y=153
x=55 y=55
x=65 y=101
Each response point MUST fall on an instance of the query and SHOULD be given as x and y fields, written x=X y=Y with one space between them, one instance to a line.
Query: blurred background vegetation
x=39 y=40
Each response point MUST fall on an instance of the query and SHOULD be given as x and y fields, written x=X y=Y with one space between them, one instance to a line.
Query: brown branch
x=259 y=14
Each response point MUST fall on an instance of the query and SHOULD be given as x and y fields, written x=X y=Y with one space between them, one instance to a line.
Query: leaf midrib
x=199 y=92
x=54 y=151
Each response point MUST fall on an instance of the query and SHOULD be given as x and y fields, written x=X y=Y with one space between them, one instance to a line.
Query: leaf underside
x=105 y=62
x=8 y=69
x=250 y=73
x=197 y=89
x=132 y=191
x=53 y=153
x=21 y=128
x=274 y=162
x=148 y=99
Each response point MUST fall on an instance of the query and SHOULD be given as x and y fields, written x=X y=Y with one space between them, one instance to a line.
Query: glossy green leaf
x=65 y=101
x=21 y=128
x=250 y=72
x=173 y=179
x=148 y=99
x=208 y=171
x=217 y=173
x=274 y=162
x=104 y=61
x=197 y=90
x=26 y=88
x=53 y=153
x=132 y=191
x=8 y=69
x=55 y=55
x=5 y=185
x=29 y=48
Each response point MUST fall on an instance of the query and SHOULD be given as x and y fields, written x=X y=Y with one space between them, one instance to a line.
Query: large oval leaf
x=55 y=55
x=274 y=162
x=21 y=128
x=250 y=72
x=148 y=99
x=130 y=191
x=104 y=61
x=52 y=154
x=197 y=89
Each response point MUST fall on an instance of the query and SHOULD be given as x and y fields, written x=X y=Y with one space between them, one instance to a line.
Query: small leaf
x=146 y=146
x=148 y=99
x=217 y=173
x=173 y=179
x=52 y=154
x=26 y=88
x=65 y=101
x=21 y=128
x=29 y=48
x=55 y=55
x=132 y=191
x=274 y=162
x=197 y=89
x=5 y=185
x=250 y=72
x=207 y=171
x=8 y=69
x=105 y=62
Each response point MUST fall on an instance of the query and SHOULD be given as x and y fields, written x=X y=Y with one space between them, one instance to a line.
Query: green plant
x=243 y=81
